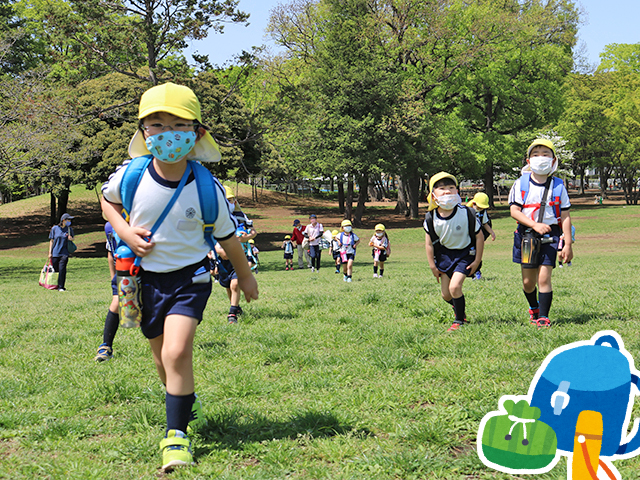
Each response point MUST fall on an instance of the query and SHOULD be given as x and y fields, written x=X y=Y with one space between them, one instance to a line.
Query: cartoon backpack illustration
x=584 y=392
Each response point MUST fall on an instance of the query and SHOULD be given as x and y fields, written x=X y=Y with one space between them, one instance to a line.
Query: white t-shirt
x=380 y=242
x=453 y=232
x=347 y=242
x=533 y=198
x=179 y=241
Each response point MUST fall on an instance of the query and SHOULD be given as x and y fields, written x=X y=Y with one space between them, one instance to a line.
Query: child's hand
x=473 y=267
x=542 y=228
x=493 y=236
x=436 y=273
x=136 y=239
x=566 y=254
x=249 y=286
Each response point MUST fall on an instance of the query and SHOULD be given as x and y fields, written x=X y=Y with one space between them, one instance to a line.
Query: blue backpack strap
x=208 y=196
x=130 y=181
x=556 y=201
x=524 y=186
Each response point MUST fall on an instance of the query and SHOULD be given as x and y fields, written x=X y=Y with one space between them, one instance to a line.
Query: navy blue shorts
x=336 y=255
x=114 y=285
x=226 y=274
x=348 y=256
x=451 y=261
x=288 y=256
x=548 y=251
x=182 y=292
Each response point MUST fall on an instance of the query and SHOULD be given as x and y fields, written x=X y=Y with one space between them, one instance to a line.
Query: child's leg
x=457 y=297
x=173 y=355
x=349 y=267
x=545 y=291
x=529 y=282
x=381 y=267
x=375 y=268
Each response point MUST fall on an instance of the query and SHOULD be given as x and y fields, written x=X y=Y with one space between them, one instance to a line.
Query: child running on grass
x=480 y=203
x=381 y=249
x=348 y=242
x=287 y=245
x=335 y=250
x=452 y=252
x=540 y=204
x=174 y=264
x=112 y=322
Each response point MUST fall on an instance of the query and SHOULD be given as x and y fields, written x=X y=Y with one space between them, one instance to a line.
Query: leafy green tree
x=620 y=57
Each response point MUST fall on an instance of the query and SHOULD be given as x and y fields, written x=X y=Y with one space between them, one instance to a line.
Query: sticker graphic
x=578 y=406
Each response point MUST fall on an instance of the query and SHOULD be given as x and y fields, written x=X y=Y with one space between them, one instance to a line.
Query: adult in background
x=59 y=239
x=314 y=231
x=298 y=238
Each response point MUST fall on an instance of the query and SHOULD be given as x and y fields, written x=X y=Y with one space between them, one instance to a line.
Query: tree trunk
x=363 y=193
x=53 y=213
x=348 y=211
x=413 y=194
x=401 y=204
x=63 y=203
x=341 y=197
x=488 y=183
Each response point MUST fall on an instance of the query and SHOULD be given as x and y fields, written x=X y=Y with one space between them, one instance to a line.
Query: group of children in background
x=342 y=246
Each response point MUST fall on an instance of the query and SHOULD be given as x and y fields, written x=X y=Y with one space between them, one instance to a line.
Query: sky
x=605 y=22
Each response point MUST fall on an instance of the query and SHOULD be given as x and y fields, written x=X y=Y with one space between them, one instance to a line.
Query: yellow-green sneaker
x=197 y=419
x=176 y=450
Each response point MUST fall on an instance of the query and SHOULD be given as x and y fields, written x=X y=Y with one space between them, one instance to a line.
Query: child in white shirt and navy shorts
x=525 y=200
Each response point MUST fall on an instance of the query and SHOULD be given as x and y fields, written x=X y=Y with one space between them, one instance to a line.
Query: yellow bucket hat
x=481 y=199
x=345 y=223
x=180 y=101
x=229 y=193
x=435 y=179
x=379 y=227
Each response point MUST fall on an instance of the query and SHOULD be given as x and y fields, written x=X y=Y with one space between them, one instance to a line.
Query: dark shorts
x=114 y=285
x=226 y=273
x=348 y=256
x=451 y=261
x=181 y=292
x=336 y=255
x=381 y=258
x=548 y=251
x=288 y=256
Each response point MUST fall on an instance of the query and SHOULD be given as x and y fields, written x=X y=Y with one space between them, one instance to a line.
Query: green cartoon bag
x=519 y=440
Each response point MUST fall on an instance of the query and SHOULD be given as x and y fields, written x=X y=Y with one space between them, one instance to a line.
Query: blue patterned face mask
x=171 y=146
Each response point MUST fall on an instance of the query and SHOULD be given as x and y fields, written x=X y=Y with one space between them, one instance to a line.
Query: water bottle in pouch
x=129 y=292
x=530 y=249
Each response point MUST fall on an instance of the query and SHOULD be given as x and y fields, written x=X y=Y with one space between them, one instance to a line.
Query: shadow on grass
x=233 y=429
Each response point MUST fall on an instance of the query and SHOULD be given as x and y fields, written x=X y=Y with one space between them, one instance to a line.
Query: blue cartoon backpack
x=596 y=375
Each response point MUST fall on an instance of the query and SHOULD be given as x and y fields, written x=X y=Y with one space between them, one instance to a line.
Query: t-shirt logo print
x=458 y=227
x=190 y=212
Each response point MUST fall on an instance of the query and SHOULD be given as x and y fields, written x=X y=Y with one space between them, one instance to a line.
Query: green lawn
x=320 y=378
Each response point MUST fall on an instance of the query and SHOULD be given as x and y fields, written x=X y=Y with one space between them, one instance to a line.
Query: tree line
x=363 y=90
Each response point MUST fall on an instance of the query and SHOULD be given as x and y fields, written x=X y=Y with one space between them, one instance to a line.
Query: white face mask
x=232 y=206
x=448 y=202
x=379 y=234
x=347 y=229
x=541 y=165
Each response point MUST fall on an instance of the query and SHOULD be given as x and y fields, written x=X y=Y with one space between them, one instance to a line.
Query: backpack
x=352 y=240
x=556 y=194
x=435 y=240
x=205 y=183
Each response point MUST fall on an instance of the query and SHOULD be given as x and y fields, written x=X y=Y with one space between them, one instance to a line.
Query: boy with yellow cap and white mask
x=174 y=265
x=539 y=202
x=454 y=248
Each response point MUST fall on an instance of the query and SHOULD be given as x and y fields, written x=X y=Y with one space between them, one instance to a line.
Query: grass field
x=320 y=378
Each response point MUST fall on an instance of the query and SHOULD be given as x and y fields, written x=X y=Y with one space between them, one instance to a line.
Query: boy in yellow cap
x=452 y=252
x=287 y=245
x=540 y=204
x=174 y=265
x=480 y=203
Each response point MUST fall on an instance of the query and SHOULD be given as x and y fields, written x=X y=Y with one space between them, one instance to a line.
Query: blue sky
x=606 y=21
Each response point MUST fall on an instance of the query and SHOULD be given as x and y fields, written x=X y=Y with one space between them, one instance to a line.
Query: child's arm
x=132 y=236
x=431 y=258
x=235 y=254
x=521 y=218
x=479 y=251
x=567 y=251
x=490 y=231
